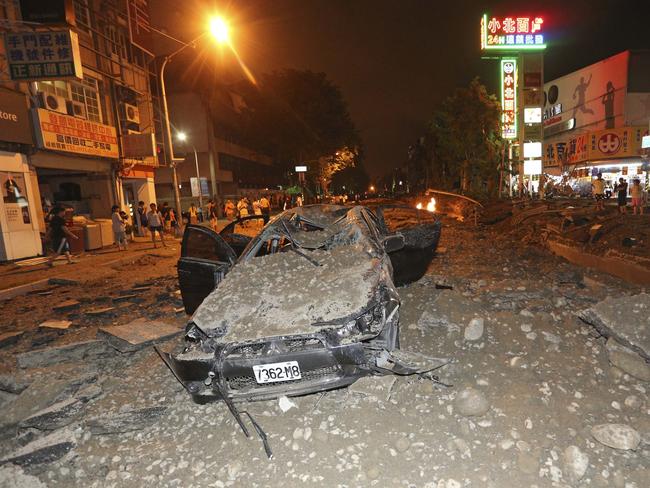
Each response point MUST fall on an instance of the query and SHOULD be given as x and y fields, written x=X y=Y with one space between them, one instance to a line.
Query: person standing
x=59 y=235
x=598 y=189
x=141 y=218
x=119 y=228
x=231 y=210
x=265 y=206
x=213 y=216
x=621 y=194
x=194 y=214
x=299 y=200
x=155 y=220
x=636 y=192
x=166 y=221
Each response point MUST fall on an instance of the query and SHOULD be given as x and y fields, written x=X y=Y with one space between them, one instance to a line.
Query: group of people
x=260 y=206
x=621 y=190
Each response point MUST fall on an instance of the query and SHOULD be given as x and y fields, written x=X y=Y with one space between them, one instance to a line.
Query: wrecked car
x=308 y=304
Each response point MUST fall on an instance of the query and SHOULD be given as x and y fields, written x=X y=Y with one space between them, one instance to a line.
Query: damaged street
x=545 y=385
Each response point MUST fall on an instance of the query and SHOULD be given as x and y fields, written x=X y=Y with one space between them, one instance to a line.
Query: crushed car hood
x=286 y=294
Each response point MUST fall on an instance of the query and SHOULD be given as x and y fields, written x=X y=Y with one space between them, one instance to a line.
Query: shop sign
x=47 y=11
x=512 y=33
x=43 y=55
x=554 y=154
x=552 y=111
x=194 y=185
x=139 y=145
x=533 y=132
x=14 y=119
x=509 y=98
x=616 y=143
x=557 y=128
x=14 y=197
x=577 y=149
x=60 y=132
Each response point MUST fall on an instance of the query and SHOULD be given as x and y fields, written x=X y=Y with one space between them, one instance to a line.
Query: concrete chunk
x=55 y=324
x=9 y=338
x=626 y=319
x=77 y=351
x=379 y=387
x=124 y=421
x=137 y=334
x=44 y=450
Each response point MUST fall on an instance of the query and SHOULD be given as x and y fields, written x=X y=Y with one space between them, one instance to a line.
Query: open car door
x=205 y=260
x=240 y=232
x=421 y=231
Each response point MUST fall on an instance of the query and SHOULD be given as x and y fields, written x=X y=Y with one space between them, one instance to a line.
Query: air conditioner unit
x=77 y=109
x=54 y=103
x=131 y=113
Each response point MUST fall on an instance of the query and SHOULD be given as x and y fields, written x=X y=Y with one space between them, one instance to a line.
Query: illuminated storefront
x=594 y=121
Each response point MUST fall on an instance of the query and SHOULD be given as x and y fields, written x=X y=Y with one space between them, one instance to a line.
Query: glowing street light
x=219 y=30
x=372 y=188
x=182 y=136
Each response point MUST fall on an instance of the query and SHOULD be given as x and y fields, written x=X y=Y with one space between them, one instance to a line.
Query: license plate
x=275 y=372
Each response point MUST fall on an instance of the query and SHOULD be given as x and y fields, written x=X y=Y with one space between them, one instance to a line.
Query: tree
x=463 y=141
x=297 y=116
x=353 y=179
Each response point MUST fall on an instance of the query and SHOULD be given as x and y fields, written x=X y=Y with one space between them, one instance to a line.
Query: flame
x=431 y=205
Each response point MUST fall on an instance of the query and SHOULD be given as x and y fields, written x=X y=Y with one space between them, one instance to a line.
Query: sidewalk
x=34 y=273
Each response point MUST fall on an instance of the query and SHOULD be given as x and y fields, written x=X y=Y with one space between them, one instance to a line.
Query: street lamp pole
x=170 y=148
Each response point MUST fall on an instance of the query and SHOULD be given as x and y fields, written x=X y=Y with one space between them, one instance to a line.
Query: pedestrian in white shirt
x=155 y=221
x=119 y=228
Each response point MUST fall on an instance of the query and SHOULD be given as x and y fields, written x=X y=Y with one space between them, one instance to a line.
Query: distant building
x=595 y=117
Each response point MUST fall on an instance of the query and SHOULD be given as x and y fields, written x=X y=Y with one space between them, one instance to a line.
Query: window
x=86 y=91
x=82 y=15
x=112 y=40
x=59 y=88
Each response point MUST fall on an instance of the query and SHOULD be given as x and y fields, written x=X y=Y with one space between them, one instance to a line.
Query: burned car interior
x=308 y=305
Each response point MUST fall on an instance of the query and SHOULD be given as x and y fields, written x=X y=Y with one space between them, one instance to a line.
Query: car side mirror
x=393 y=243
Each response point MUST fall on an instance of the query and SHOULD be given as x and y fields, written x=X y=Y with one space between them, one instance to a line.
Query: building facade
x=94 y=131
x=595 y=119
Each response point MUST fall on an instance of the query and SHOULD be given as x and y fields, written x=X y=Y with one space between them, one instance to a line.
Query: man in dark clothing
x=59 y=235
x=621 y=190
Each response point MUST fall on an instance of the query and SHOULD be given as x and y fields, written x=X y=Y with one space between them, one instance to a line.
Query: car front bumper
x=229 y=370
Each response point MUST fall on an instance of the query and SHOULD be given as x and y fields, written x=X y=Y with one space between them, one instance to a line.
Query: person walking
x=155 y=219
x=166 y=221
x=173 y=223
x=598 y=190
x=621 y=189
x=59 y=235
x=265 y=206
x=636 y=192
x=119 y=228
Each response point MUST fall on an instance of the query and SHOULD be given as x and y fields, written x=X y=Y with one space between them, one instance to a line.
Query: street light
x=218 y=28
x=183 y=138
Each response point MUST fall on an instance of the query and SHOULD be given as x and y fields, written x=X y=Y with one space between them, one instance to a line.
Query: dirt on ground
x=531 y=398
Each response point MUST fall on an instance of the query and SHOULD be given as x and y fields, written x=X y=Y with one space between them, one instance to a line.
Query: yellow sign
x=616 y=143
x=60 y=132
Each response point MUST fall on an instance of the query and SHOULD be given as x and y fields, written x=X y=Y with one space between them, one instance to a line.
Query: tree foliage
x=297 y=116
x=462 y=144
x=352 y=179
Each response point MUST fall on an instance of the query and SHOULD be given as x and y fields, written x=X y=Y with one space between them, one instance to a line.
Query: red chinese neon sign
x=512 y=32
x=509 y=98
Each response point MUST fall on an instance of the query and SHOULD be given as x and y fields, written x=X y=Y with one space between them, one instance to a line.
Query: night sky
x=395 y=60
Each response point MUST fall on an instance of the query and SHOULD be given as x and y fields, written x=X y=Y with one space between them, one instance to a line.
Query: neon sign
x=512 y=33
x=509 y=98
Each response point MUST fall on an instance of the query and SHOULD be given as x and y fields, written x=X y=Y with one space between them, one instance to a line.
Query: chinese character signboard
x=70 y=134
x=139 y=24
x=43 y=55
x=616 y=143
x=512 y=33
x=509 y=98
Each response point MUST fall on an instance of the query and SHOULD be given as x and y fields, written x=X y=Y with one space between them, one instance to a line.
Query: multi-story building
x=595 y=118
x=93 y=141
